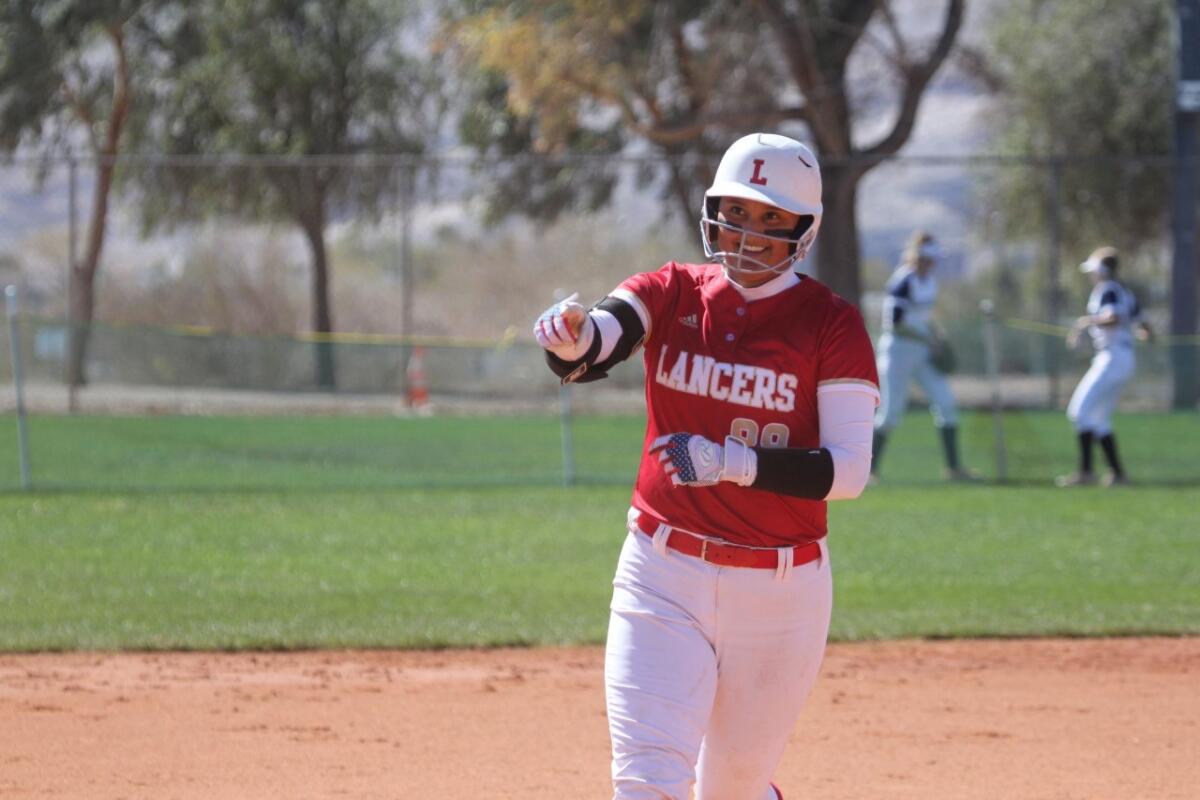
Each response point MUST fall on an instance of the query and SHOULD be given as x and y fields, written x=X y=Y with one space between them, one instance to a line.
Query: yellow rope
x=203 y=331
x=1061 y=330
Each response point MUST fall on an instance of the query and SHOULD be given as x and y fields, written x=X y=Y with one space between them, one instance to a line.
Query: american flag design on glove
x=689 y=459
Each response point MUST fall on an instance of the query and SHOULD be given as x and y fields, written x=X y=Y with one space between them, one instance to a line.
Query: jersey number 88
x=774 y=434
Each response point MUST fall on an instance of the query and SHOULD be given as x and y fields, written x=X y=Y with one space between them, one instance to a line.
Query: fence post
x=991 y=346
x=407 y=187
x=10 y=296
x=568 y=442
x=1054 y=291
x=72 y=262
x=565 y=417
x=1184 y=206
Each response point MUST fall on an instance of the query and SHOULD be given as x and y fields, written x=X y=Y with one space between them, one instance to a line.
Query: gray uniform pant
x=900 y=360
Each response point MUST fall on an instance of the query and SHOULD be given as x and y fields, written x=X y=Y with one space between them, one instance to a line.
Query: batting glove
x=692 y=460
x=565 y=329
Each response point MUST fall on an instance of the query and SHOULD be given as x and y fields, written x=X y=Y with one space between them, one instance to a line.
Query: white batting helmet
x=770 y=169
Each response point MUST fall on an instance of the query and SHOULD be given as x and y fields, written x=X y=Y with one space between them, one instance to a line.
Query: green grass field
x=367 y=532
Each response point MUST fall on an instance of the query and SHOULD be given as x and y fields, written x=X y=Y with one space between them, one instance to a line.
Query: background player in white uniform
x=760 y=393
x=912 y=347
x=1112 y=320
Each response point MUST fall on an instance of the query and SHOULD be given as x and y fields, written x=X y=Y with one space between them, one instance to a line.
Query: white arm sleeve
x=847 y=414
x=608 y=328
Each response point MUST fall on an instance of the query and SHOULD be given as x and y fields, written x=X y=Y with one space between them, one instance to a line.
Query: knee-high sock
x=1085 y=452
x=1108 y=444
x=878 y=440
x=950 y=445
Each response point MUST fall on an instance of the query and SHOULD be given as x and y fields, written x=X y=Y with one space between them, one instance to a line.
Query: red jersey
x=718 y=365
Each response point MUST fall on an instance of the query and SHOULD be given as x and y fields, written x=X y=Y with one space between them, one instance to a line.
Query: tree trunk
x=82 y=300
x=82 y=291
x=837 y=241
x=314 y=230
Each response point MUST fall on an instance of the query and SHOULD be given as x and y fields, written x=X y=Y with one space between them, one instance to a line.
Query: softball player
x=910 y=347
x=1112 y=321
x=760 y=393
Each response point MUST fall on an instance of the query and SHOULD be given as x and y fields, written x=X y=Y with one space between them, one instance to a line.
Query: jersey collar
x=778 y=284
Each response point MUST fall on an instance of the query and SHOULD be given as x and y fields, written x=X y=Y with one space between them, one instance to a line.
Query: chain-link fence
x=209 y=266
x=208 y=286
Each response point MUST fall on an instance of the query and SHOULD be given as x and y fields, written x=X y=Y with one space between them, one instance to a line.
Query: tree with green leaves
x=1086 y=84
x=689 y=77
x=70 y=74
x=274 y=80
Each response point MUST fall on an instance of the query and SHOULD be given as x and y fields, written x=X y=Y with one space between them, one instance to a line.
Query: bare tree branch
x=799 y=48
x=917 y=77
x=684 y=133
x=82 y=112
x=973 y=62
x=120 y=96
x=695 y=90
x=889 y=19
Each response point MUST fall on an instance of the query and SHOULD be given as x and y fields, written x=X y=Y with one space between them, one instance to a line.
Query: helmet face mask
x=737 y=260
x=773 y=170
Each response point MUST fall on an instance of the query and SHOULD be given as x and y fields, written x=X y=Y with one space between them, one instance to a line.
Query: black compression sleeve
x=794 y=471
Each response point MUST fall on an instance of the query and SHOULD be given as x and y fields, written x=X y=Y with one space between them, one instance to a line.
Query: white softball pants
x=1095 y=398
x=899 y=361
x=707 y=669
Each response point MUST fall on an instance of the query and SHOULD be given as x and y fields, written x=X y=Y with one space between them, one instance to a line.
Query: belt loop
x=661 y=534
x=783 y=566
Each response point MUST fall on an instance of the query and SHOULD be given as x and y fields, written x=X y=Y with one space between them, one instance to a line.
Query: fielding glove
x=941 y=356
x=692 y=460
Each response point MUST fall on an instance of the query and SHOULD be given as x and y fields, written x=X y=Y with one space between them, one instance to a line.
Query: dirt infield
x=1094 y=719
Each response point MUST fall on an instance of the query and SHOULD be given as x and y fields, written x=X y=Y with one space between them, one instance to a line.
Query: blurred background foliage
x=441 y=167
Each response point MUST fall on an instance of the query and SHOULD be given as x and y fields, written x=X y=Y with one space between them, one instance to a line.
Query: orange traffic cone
x=418 y=386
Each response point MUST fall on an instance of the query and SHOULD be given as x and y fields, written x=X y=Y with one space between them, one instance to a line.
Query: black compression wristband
x=794 y=471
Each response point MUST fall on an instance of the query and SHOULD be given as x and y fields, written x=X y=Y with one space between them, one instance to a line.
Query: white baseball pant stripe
x=899 y=361
x=707 y=669
x=1095 y=398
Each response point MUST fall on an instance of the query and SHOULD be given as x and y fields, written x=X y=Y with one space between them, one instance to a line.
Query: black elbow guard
x=580 y=371
x=573 y=371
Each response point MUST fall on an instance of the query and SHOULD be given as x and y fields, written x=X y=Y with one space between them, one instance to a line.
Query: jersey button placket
x=738 y=325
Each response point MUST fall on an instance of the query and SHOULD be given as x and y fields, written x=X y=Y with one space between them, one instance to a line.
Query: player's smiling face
x=755 y=217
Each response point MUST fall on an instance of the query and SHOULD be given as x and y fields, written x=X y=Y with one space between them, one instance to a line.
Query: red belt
x=727 y=554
